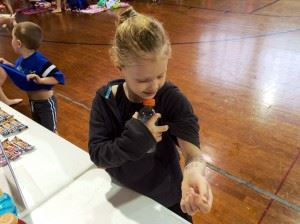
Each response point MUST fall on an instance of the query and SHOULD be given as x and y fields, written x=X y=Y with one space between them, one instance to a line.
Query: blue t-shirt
x=37 y=64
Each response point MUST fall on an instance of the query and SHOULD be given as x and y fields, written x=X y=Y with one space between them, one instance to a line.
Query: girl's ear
x=121 y=71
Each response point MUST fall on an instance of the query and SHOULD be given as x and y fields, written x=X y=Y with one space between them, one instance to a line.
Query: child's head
x=141 y=50
x=27 y=35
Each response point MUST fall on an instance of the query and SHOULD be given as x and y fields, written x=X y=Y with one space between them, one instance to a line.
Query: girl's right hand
x=153 y=128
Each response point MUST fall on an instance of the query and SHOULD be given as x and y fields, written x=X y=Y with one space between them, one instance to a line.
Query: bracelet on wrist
x=201 y=164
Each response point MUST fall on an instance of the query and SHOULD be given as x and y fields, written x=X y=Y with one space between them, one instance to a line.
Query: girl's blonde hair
x=138 y=37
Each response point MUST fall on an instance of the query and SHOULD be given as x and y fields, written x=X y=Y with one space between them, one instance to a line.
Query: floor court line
x=278 y=189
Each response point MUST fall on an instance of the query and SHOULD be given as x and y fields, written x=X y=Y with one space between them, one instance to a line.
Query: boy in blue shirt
x=33 y=73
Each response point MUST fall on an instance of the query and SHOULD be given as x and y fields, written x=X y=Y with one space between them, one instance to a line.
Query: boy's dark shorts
x=44 y=112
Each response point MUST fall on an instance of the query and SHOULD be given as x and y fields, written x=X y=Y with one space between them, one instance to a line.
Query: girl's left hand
x=196 y=191
x=34 y=77
x=155 y=130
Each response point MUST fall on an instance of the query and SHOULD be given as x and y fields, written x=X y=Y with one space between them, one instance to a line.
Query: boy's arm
x=48 y=74
x=3 y=61
x=49 y=81
x=43 y=81
x=196 y=191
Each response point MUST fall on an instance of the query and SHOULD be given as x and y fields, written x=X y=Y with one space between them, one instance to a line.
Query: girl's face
x=144 y=78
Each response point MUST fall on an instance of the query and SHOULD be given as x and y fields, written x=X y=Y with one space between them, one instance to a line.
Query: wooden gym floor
x=238 y=61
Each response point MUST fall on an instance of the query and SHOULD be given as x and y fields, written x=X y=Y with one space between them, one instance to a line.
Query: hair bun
x=128 y=13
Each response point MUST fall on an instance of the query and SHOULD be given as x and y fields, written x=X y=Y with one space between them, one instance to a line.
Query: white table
x=61 y=185
x=94 y=199
x=53 y=164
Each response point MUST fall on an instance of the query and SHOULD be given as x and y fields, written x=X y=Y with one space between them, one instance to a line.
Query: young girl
x=119 y=142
